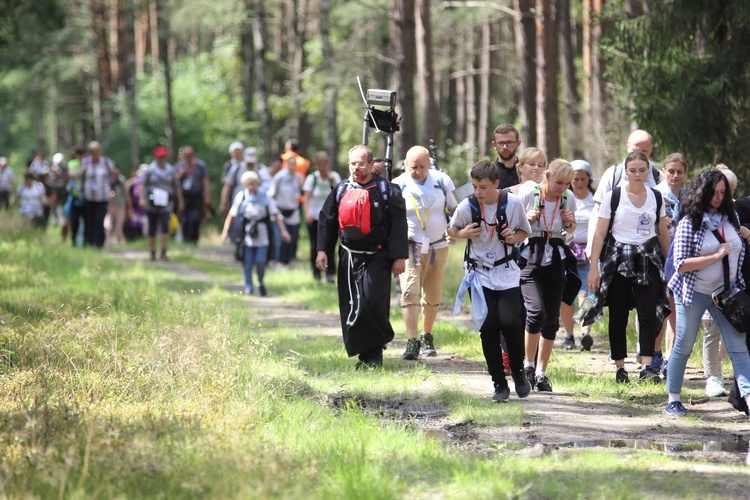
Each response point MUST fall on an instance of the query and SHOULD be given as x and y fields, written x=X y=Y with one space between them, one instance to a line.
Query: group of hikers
x=538 y=238
x=542 y=246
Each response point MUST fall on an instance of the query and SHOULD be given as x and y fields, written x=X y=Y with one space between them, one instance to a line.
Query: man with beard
x=506 y=144
x=374 y=244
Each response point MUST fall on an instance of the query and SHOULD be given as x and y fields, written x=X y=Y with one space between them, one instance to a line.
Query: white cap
x=57 y=158
x=251 y=154
x=583 y=165
x=235 y=145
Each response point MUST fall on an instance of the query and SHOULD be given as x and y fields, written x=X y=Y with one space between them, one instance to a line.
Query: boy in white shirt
x=490 y=261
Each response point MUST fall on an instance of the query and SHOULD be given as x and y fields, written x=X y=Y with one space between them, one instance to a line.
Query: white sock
x=527 y=364
x=674 y=396
x=569 y=334
x=644 y=367
x=540 y=374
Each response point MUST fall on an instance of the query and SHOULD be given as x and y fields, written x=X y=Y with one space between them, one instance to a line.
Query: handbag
x=734 y=303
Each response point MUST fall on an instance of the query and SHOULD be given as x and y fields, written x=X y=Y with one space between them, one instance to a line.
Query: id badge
x=187 y=183
x=645 y=224
x=548 y=252
x=490 y=258
x=425 y=248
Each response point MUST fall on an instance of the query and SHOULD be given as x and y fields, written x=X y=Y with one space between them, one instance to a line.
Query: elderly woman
x=98 y=173
x=707 y=208
x=256 y=209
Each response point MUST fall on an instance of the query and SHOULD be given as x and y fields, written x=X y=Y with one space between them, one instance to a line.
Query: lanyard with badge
x=425 y=247
x=489 y=256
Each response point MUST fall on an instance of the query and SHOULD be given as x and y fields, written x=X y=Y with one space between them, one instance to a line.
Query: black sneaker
x=153 y=255
x=427 y=344
x=621 y=377
x=163 y=257
x=502 y=393
x=370 y=359
x=530 y=374
x=587 y=341
x=523 y=387
x=263 y=291
x=650 y=374
x=412 y=349
x=542 y=384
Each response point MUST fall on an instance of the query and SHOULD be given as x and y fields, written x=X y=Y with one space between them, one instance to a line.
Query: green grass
x=120 y=379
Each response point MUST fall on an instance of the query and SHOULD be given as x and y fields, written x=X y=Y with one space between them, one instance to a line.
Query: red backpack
x=357 y=218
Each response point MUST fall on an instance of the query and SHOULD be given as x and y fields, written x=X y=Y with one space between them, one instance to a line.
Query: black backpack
x=501 y=220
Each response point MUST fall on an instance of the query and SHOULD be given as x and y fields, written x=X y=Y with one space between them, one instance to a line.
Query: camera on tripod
x=381 y=112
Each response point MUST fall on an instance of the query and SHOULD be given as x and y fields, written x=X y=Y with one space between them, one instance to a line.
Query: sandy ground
x=551 y=421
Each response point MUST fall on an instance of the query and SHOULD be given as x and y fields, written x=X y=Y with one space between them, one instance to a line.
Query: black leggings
x=619 y=301
x=504 y=318
x=542 y=293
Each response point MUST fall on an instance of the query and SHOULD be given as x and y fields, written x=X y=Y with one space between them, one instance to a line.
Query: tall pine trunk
x=403 y=39
x=525 y=40
x=428 y=103
x=570 y=82
x=548 y=119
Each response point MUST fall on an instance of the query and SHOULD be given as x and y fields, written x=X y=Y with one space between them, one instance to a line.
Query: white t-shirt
x=7 y=178
x=605 y=183
x=711 y=277
x=285 y=191
x=632 y=225
x=30 y=204
x=484 y=249
x=430 y=200
x=550 y=217
x=583 y=216
x=320 y=192
x=254 y=211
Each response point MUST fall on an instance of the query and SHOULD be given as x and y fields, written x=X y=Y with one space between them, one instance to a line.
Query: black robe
x=369 y=273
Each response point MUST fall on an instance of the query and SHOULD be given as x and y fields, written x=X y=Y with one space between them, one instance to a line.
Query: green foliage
x=684 y=65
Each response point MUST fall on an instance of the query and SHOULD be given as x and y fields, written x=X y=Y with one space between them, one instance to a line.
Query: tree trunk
x=116 y=9
x=460 y=126
x=332 y=145
x=248 y=60
x=154 y=22
x=261 y=84
x=403 y=36
x=128 y=77
x=299 y=126
x=164 y=41
x=484 y=90
x=525 y=40
x=471 y=104
x=428 y=103
x=595 y=148
x=570 y=82
x=141 y=38
x=548 y=120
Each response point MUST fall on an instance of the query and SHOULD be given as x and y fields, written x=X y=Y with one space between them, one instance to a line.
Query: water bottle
x=584 y=308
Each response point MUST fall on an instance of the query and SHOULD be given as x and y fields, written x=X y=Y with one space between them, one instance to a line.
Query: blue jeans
x=254 y=256
x=688 y=320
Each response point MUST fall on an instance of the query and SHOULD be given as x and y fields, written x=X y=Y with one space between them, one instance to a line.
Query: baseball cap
x=583 y=165
x=160 y=152
x=251 y=154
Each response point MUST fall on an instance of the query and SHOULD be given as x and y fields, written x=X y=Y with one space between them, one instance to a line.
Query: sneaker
x=163 y=257
x=715 y=387
x=542 y=384
x=502 y=393
x=330 y=280
x=530 y=374
x=506 y=363
x=412 y=349
x=570 y=343
x=153 y=255
x=263 y=291
x=587 y=341
x=523 y=387
x=621 y=377
x=248 y=290
x=370 y=359
x=675 y=408
x=649 y=374
x=427 y=343
x=657 y=361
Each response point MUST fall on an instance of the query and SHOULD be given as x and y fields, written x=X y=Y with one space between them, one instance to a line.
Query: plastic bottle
x=584 y=308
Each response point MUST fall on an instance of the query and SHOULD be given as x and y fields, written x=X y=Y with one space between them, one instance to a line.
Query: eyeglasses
x=358 y=164
x=506 y=144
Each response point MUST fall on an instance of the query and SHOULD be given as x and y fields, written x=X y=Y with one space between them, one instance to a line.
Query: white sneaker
x=715 y=387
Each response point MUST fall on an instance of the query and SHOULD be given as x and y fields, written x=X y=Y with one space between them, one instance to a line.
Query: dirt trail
x=550 y=419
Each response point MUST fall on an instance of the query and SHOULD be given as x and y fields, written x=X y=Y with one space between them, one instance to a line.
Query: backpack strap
x=501 y=219
x=613 y=204
x=384 y=189
x=659 y=201
x=340 y=190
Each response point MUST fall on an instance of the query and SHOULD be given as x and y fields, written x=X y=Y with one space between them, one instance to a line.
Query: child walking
x=493 y=222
